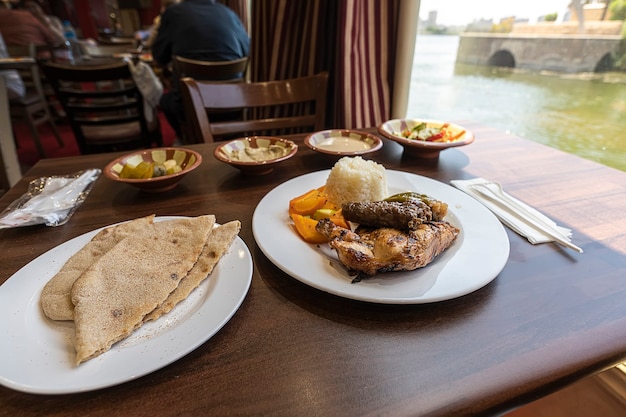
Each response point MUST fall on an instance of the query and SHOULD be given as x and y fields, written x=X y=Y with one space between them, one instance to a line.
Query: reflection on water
x=584 y=114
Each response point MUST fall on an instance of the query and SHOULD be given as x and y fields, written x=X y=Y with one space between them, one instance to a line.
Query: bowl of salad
x=426 y=138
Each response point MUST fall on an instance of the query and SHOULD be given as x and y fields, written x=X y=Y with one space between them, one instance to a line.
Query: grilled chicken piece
x=439 y=208
x=372 y=251
x=406 y=215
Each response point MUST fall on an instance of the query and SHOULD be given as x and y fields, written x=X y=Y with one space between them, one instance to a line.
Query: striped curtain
x=291 y=38
x=366 y=46
x=354 y=40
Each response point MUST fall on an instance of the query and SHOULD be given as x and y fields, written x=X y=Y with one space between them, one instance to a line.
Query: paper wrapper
x=49 y=200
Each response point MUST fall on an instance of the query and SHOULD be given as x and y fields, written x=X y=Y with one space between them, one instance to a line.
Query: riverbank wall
x=590 y=28
x=540 y=51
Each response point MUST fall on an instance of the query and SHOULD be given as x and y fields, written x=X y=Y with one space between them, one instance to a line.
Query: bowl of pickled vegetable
x=425 y=138
x=153 y=170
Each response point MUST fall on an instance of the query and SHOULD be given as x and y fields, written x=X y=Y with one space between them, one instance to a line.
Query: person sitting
x=53 y=23
x=26 y=24
x=197 y=29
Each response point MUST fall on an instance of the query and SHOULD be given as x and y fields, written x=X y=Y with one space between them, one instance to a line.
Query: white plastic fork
x=494 y=192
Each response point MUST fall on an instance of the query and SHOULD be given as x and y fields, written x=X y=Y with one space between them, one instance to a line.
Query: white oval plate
x=39 y=353
x=475 y=258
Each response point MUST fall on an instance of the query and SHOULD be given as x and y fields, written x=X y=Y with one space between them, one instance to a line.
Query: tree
x=551 y=17
x=618 y=9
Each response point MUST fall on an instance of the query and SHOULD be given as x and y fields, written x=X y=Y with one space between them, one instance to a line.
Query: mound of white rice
x=356 y=179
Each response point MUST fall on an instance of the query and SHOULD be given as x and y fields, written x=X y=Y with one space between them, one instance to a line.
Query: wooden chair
x=103 y=119
x=213 y=71
x=219 y=71
x=271 y=108
x=33 y=108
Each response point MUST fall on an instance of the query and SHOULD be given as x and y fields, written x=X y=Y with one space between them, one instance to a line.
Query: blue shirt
x=200 y=29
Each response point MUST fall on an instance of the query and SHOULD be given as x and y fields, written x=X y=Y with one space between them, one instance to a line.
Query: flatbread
x=55 y=298
x=217 y=244
x=113 y=295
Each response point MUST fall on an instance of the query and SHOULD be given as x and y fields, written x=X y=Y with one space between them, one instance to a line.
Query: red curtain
x=354 y=40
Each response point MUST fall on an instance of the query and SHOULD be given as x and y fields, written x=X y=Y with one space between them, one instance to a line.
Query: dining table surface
x=551 y=316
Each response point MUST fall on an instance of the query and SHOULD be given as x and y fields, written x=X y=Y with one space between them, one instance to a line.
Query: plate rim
x=260 y=217
x=237 y=253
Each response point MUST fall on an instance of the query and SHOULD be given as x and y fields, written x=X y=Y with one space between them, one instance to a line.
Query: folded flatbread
x=112 y=296
x=217 y=244
x=55 y=297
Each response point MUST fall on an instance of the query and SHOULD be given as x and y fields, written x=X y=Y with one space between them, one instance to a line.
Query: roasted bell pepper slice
x=305 y=226
x=307 y=203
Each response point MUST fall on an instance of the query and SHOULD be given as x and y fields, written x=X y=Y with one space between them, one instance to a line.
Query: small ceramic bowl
x=255 y=155
x=455 y=136
x=186 y=159
x=343 y=142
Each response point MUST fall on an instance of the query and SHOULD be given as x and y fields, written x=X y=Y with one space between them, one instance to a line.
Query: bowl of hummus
x=255 y=155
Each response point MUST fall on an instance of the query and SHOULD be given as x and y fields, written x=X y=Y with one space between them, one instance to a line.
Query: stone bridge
x=560 y=53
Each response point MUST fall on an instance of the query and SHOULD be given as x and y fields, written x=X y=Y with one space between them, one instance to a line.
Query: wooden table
x=550 y=318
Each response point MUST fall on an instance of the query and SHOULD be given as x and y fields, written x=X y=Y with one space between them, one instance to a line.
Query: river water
x=583 y=114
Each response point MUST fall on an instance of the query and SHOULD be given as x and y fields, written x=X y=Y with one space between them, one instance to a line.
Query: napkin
x=49 y=200
x=517 y=215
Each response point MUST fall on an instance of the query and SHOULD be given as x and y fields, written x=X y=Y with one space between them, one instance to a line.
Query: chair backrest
x=210 y=70
x=213 y=71
x=31 y=76
x=271 y=108
x=104 y=106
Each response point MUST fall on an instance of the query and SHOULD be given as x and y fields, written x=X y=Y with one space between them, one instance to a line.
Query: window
x=548 y=87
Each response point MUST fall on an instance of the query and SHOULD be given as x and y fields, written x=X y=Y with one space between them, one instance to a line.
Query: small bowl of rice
x=354 y=179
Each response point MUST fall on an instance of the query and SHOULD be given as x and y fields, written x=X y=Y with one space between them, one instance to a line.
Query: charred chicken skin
x=375 y=250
